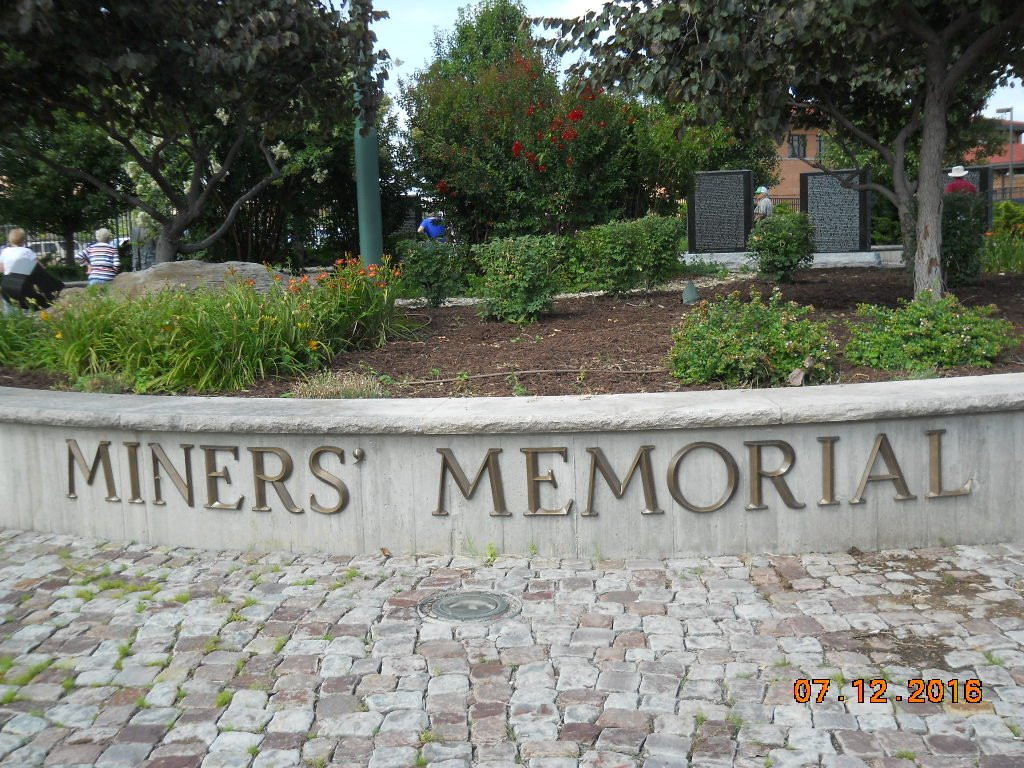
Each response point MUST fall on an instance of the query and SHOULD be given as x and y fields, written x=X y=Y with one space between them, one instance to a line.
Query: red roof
x=1000 y=158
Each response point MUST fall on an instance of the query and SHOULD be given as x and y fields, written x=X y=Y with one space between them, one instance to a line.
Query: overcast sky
x=408 y=35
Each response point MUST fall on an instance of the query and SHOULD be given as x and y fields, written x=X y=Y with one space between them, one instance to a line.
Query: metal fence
x=50 y=246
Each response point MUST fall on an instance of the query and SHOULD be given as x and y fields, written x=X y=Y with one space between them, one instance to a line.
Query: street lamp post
x=1003 y=111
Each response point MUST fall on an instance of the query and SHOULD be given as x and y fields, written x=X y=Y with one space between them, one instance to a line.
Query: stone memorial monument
x=721 y=212
x=840 y=217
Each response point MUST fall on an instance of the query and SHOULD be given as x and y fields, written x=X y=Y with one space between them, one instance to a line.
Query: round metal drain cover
x=468 y=606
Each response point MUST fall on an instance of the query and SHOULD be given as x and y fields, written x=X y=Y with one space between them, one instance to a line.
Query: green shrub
x=781 y=244
x=963 y=229
x=19 y=336
x=210 y=340
x=622 y=255
x=1002 y=252
x=657 y=243
x=753 y=343
x=924 y=334
x=1009 y=219
x=432 y=268
x=518 y=277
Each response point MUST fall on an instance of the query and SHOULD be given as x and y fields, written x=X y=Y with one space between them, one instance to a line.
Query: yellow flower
x=59 y=335
x=314 y=344
x=44 y=315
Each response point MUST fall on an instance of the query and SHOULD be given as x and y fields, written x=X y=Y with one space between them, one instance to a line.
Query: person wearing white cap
x=764 y=207
x=959 y=183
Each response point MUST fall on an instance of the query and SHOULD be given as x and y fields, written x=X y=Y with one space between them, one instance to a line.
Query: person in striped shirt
x=101 y=259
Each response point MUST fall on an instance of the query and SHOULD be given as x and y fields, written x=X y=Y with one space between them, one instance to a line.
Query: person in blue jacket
x=433 y=227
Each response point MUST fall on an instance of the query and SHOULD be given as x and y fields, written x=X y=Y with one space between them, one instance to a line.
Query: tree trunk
x=908 y=228
x=928 y=259
x=167 y=244
x=69 y=246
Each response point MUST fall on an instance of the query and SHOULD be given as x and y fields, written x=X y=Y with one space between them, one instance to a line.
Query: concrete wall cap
x=494 y=415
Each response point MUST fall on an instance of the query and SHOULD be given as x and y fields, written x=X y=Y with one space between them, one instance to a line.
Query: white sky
x=408 y=35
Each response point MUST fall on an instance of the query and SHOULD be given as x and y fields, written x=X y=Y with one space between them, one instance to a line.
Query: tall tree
x=186 y=88
x=40 y=198
x=885 y=74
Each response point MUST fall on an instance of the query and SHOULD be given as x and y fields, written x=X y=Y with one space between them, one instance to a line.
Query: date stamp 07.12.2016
x=876 y=691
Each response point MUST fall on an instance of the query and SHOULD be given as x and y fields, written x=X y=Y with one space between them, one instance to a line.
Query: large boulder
x=190 y=275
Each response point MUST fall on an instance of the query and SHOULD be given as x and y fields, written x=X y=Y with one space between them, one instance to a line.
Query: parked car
x=48 y=252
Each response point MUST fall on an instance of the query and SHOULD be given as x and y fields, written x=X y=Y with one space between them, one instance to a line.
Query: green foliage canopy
x=881 y=74
x=187 y=87
x=38 y=197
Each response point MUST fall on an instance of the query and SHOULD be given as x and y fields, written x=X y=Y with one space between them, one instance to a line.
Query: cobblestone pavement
x=127 y=655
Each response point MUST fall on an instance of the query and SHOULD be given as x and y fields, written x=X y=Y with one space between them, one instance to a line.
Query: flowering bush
x=518 y=281
x=209 y=340
x=750 y=343
x=781 y=244
x=924 y=334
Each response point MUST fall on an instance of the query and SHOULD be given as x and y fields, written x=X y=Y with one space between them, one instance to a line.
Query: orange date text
x=876 y=691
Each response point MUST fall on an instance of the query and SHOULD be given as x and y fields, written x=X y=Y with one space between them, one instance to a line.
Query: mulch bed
x=604 y=344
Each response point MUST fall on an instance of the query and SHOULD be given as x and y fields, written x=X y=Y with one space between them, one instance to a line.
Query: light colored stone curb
x=518 y=415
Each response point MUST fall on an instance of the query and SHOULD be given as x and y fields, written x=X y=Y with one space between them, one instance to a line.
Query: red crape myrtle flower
x=576 y=115
x=517 y=148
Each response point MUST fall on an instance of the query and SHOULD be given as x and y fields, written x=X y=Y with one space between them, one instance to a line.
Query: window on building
x=797 y=145
x=822 y=145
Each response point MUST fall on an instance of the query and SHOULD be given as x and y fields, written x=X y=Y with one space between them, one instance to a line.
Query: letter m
x=450 y=465
x=102 y=458
x=599 y=463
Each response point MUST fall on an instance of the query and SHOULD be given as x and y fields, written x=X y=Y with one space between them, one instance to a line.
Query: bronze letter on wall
x=599 y=462
x=101 y=459
x=134 y=481
x=160 y=459
x=213 y=475
x=261 y=478
x=533 y=480
x=828 y=471
x=775 y=475
x=332 y=480
x=935 y=466
x=732 y=476
x=895 y=474
x=490 y=465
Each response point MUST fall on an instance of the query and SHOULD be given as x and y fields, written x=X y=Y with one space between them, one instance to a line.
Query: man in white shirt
x=15 y=252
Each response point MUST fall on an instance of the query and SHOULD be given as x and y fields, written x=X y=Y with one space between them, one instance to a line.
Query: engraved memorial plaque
x=721 y=212
x=840 y=217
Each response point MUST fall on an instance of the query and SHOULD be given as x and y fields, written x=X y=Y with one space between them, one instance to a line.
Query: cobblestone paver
x=119 y=656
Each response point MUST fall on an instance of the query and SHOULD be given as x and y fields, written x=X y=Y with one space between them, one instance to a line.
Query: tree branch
x=233 y=213
x=981 y=45
x=144 y=162
x=225 y=167
x=101 y=185
x=911 y=20
x=847 y=125
x=846 y=177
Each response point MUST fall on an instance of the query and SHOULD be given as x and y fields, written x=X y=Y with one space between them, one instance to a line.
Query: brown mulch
x=604 y=344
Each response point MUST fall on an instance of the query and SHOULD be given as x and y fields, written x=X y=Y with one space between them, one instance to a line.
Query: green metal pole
x=371 y=237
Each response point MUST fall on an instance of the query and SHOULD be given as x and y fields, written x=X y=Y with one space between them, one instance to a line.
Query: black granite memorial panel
x=721 y=212
x=840 y=217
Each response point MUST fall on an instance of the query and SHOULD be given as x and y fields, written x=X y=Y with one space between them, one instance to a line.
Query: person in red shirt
x=959 y=183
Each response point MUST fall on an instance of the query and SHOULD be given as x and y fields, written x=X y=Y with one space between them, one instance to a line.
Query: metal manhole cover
x=468 y=606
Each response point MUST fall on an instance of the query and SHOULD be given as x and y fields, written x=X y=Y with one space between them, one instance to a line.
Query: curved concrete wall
x=822 y=468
